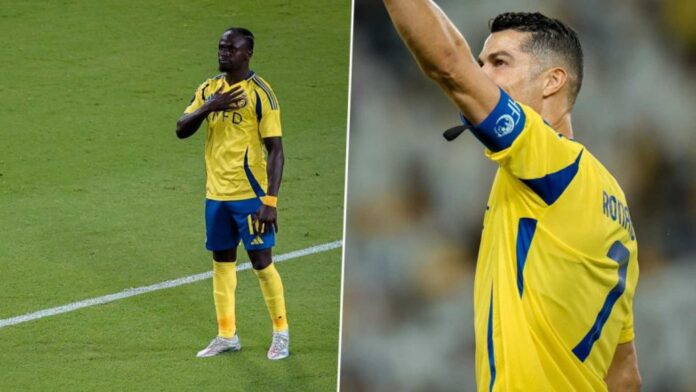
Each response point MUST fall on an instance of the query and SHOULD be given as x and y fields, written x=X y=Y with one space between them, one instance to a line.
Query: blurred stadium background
x=415 y=202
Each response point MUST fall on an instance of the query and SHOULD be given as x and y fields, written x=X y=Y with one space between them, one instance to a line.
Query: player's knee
x=260 y=259
x=261 y=264
x=228 y=255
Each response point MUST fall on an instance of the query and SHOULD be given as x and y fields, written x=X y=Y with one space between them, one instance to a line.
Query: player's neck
x=237 y=76
x=557 y=114
x=563 y=125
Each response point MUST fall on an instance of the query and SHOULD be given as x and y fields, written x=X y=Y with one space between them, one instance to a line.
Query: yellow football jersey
x=557 y=267
x=235 y=156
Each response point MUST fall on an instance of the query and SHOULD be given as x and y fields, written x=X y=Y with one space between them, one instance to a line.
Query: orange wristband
x=271 y=201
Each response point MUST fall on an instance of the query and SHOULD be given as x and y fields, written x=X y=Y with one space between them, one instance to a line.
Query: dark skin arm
x=266 y=218
x=188 y=124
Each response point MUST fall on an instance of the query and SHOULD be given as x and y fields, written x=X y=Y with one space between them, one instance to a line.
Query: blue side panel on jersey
x=619 y=253
x=551 y=186
x=250 y=176
x=259 y=113
x=525 y=234
x=491 y=354
x=502 y=126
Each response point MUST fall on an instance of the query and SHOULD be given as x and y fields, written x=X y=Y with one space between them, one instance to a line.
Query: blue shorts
x=226 y=222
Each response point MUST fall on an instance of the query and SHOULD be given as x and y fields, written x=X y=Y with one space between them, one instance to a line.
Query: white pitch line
x=158 y=286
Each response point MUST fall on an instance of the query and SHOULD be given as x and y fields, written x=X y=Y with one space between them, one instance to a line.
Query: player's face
x=516 y=71
x=233 y=52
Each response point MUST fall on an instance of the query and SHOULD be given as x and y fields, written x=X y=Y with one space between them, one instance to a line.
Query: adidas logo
x=257 y=241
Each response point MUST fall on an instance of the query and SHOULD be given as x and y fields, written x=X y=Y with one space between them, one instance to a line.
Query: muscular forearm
x=444 y=56
x=274 y=169
x=188 y=124
x=623 y=374
x=267 y=216
x=429 y=35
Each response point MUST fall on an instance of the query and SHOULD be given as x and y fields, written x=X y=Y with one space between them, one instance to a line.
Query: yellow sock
x=272 y=289
x=224 y=285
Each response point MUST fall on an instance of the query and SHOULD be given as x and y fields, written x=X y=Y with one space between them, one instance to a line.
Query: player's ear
x=554 y=81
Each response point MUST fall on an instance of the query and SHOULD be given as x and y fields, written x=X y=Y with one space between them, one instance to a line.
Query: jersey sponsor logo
x=235 y=117
x=239 y=104
x=506 y=122
x=617 y=211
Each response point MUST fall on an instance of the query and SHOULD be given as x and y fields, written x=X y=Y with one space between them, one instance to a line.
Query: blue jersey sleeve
x=518 y=139
x=502 y=126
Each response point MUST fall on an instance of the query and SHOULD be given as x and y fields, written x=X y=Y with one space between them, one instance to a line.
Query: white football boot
x=280 y=347
x=220 y=345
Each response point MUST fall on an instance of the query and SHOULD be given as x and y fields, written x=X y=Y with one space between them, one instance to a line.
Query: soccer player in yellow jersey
x=557 y=267
x=244 y=166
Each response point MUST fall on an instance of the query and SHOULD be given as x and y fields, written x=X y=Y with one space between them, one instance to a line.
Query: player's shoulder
x=263 y=88
x=534 y=121
x=257 y=80
x=597 y=172
x=211 y=81
x=215 y=79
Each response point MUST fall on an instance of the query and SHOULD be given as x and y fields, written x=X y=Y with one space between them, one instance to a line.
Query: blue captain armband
x=465 y=122
x=502 y=126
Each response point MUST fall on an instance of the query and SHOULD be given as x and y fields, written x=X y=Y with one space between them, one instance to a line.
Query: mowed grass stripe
x=131 y=292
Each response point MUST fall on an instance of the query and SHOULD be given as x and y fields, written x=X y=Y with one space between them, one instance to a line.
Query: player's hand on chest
x=234 y=106
x=234 y=99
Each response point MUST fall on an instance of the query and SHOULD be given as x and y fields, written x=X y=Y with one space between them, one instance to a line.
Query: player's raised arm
x=444 y=56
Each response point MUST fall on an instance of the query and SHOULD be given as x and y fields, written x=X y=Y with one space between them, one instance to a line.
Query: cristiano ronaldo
x=557 y=267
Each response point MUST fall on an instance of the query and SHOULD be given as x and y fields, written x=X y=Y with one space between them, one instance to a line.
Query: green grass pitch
x=98 y=195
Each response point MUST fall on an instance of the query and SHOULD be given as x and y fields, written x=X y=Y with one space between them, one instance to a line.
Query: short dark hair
x=548 y=35
x=248 y=35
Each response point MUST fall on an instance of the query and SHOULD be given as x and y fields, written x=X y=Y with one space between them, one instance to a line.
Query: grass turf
x=98 y=195
x=149 y=342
